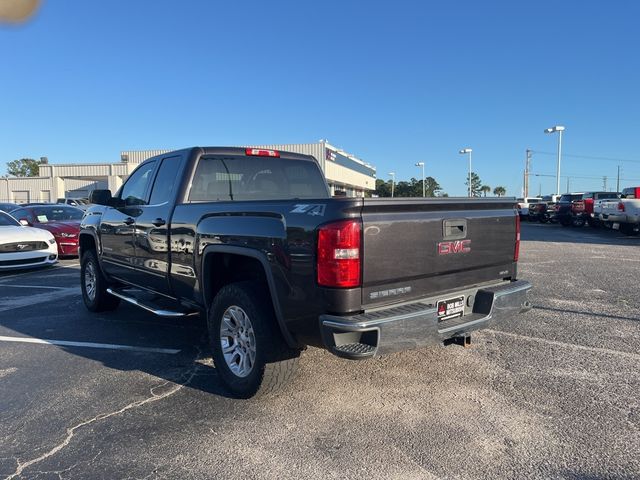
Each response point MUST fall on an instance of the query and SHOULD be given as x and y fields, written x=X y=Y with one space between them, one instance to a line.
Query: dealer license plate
x=452 y=308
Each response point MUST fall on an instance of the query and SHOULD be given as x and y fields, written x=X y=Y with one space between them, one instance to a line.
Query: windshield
x=56 y=214
x=7 y=220
x=608 y=196
x=570 y=197
x=220 y=178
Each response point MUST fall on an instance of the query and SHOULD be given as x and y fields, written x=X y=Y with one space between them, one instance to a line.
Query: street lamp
x=462 y=152
x=421 y=164
x=559 y=129
x=393 y=181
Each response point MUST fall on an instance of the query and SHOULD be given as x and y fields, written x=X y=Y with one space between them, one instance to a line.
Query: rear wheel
x=249 y=352
x=577 y=222
x=94 y=285
x=629 y=228
x=565 y=222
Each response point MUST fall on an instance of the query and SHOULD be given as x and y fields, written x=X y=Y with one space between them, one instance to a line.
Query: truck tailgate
x=415 y=248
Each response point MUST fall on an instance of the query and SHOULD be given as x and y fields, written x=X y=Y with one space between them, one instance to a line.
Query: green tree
x=412 y=188
x=476 y=184
x=25 y=167
x=485 y=189
x=499 y=191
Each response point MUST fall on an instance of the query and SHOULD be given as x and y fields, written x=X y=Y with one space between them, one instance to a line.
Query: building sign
x=349 y=163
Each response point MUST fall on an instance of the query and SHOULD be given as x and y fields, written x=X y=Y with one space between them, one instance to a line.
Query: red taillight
x=260 y=152
x=620 y=207
x=516 y=253
x=339 y=254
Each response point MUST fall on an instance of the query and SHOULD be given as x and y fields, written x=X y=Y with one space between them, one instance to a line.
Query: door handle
x=158 y=222
x=128 y=221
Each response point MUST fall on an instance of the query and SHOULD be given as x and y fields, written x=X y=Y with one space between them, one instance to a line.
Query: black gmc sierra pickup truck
x=251 y=239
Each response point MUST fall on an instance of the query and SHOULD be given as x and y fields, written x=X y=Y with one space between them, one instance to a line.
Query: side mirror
x=24 y=222
x=100 y=197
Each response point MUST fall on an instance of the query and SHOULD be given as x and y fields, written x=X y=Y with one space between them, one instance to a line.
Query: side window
x=133 y=191
x=212 y=181
x=166 y=180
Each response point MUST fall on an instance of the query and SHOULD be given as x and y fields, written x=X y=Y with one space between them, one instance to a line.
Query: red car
x=62 y=221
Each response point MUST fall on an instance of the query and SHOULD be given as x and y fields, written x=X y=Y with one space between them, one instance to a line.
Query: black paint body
x=400 y=259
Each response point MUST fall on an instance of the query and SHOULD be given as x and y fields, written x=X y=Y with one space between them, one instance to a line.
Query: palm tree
x=499 y=191
x=485 y=189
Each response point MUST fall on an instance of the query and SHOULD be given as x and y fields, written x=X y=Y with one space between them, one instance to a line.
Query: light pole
x=462 y=152
x=421 y=164
x=393 y=181
x=559 y=129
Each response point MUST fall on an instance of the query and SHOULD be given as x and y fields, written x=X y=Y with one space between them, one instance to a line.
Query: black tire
x=544 y=219
x=274 y=362
x=593 y=223
x=629 y=229
x=577 y=222
x=96 y=299
x=565 y=222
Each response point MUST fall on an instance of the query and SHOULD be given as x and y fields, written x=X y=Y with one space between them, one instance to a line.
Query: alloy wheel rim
x=90 y=281
x=238 y=341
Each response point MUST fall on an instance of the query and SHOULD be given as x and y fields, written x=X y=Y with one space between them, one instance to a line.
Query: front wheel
x=94 y=285
x=249 y=352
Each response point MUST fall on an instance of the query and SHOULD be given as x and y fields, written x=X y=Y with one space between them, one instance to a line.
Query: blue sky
x=391 y=82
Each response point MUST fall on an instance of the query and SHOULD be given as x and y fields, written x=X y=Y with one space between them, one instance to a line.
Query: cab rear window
x=229 y=178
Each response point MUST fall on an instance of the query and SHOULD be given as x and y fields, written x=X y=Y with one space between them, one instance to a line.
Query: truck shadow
x=189 y=365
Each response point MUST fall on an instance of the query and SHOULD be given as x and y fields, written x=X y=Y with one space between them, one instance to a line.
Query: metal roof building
x=345 y=174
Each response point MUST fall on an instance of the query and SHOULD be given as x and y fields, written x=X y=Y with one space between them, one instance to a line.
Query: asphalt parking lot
x=127 y=395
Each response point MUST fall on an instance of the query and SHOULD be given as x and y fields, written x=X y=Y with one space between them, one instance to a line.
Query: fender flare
x=96 y=241
x=262 y=258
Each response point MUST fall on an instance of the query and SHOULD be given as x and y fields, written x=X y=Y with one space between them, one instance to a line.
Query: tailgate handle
x=454 y=229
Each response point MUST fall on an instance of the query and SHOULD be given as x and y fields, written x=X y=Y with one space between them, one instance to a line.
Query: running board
x=161 y=312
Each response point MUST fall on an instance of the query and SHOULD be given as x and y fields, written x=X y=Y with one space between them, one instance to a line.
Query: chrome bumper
x=417 y=325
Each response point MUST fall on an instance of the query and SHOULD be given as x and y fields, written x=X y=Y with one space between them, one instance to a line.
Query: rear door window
x=164 y=185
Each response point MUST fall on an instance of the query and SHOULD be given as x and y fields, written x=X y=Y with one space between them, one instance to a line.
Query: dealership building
x=345 y=174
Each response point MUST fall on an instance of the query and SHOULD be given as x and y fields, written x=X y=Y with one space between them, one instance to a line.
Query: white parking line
x=30 y=300
x=106 y=346
x=632 y=356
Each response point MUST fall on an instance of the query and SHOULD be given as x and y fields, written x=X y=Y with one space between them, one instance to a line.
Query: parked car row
x=619 y=211
x=34 y=235
x=24 y=247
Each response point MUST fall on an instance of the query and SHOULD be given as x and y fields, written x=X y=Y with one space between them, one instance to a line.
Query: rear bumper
x=416 y=325
x=619 y=218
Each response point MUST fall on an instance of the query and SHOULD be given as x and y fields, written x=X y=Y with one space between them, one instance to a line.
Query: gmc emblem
x=457 y=246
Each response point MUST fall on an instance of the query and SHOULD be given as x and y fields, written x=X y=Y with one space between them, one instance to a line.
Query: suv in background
x=543 y=211
x=562 y=209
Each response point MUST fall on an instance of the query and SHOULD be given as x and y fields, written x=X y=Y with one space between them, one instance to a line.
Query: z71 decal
x=316 y=210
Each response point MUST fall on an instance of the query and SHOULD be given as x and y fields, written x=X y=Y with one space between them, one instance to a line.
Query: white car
x=25 y=247
x=523 y=205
